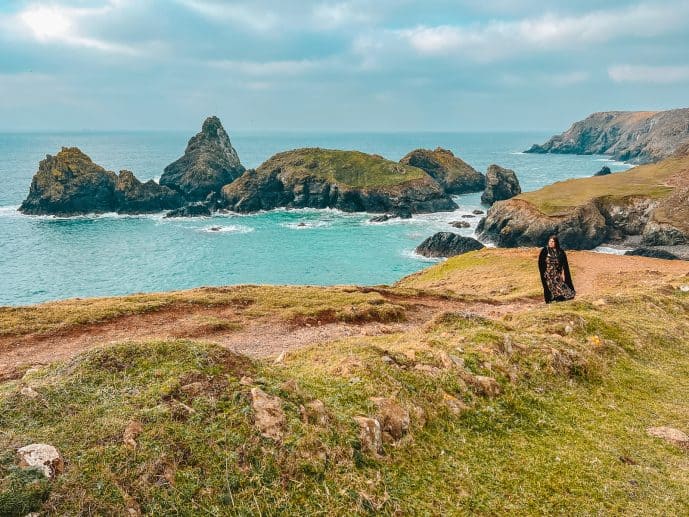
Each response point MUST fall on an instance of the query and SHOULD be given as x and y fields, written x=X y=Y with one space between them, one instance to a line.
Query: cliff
x=347 y=180
x=451 y=172
x=648 y=201
x=634 y=136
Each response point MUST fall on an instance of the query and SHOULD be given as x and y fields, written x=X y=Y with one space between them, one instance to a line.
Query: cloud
x=50 y=24
x=268 y=68
x=245 y=15
x=495 y=39
x=329 y=16
x=649 y=74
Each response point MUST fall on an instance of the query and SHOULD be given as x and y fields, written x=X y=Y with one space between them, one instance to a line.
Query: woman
x=552 y=263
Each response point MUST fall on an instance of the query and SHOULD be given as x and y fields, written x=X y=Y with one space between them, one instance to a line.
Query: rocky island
x=453 y=174
x=633 y=136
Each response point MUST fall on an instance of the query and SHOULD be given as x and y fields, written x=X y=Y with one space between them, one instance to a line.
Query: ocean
x=48 y=258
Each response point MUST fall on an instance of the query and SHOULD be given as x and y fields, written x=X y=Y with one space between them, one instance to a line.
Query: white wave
x=10 y=211
x=230 y=228
x=411 y=254
x=611 y=251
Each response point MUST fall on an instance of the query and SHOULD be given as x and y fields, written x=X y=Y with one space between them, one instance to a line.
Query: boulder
x=269 y=416
x=347 y=180
x=453 y=174
x=191 y=210
x=501 y=184
x=669 y=434
x=393 y=418
x=69 y=183
x=209 y=163
x=447 y=244
x=460 y=224
x=604 y=171
x=653 y=253
x=134 y=197
x=314 y=412
x=370 y=434
x=43 y=457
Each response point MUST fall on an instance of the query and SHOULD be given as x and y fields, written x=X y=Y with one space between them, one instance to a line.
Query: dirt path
x=593 y=273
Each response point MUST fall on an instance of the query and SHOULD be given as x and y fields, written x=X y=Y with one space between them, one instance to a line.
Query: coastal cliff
x=633 y=136
x=648 y=202
x=452 y=173
x=351 y=181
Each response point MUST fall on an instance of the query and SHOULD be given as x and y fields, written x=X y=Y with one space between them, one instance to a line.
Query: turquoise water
x=46 y=258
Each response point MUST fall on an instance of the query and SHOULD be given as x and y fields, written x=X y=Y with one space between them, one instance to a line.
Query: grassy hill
x=514 y=407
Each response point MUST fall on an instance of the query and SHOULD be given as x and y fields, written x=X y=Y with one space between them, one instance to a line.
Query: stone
x=394 y=419
x=447 y=244
x=501 y=184
x=29 y=392
x=453 y=174
x=604 y=171
x=460 y=224
x=477 y=212
x=658 y=253
x=669 y=434
x=190 y=210
x=131 y=432
x=314 y=412
x=380 y=218
x=269 y=416
x=370 y=434
x=456 y=406
x=488 y=386
x=209 y=162
x=43 y=457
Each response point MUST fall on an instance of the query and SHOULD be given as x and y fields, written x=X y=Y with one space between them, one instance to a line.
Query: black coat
x=562 y=257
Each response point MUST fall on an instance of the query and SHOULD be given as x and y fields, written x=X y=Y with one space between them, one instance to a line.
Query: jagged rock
x=314 y=412
x=477 y=212
x=209 y=163
x=381 y=218
x=370 y=434
x=268 y=414
x=669 y=434
x=604 y=171
x=69 y=183
x=191 y=210
x=42 y=456
x=460 y=224
x=133 y=197
x=393 y=418
x=501 y=184
x=454 y=175
x=347 y=180
x=131 y=432
x=637 y=136
x=653 y=253
x=447 y=244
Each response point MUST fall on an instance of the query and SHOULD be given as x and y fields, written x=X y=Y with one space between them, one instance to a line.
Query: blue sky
x=352 y=65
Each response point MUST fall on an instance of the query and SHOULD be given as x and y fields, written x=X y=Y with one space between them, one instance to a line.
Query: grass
x=646 y=180
x=579 y=383
x=350 y=168
x=294 y=303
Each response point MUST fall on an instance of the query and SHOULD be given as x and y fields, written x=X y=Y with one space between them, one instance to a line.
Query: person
x=555 y=275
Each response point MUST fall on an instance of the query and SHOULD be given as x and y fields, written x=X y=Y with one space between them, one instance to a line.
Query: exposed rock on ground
x=42 y=456
x=268 y=414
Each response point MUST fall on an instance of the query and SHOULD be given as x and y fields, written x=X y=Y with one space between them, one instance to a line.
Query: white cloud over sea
x=336 y=64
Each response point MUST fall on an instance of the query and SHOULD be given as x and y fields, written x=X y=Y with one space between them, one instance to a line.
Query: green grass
x=565 y=436
x=646 y=180
x=350 y=168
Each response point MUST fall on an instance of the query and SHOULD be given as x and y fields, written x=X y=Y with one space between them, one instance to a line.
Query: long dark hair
x=557 y=242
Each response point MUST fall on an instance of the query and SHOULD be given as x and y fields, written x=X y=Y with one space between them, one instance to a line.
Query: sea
x=48 y=258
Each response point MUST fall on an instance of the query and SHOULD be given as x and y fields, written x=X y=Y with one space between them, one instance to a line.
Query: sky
x=352 y=65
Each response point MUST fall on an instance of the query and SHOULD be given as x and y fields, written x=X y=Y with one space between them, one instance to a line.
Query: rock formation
x=447 y=244
x=209 y=163
x=71 y=184
x=653 y=253
x=635 y=136
x=501 y=184
x=347 y=180
x=453 y=174
x=604 y=171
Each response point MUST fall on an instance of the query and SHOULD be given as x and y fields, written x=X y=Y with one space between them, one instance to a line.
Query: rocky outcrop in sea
x=452 y=173
x=501 y=184
x=634 y=136
x=447 y=244
x=209 y=163
x=351 y=181
x=69 y=183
